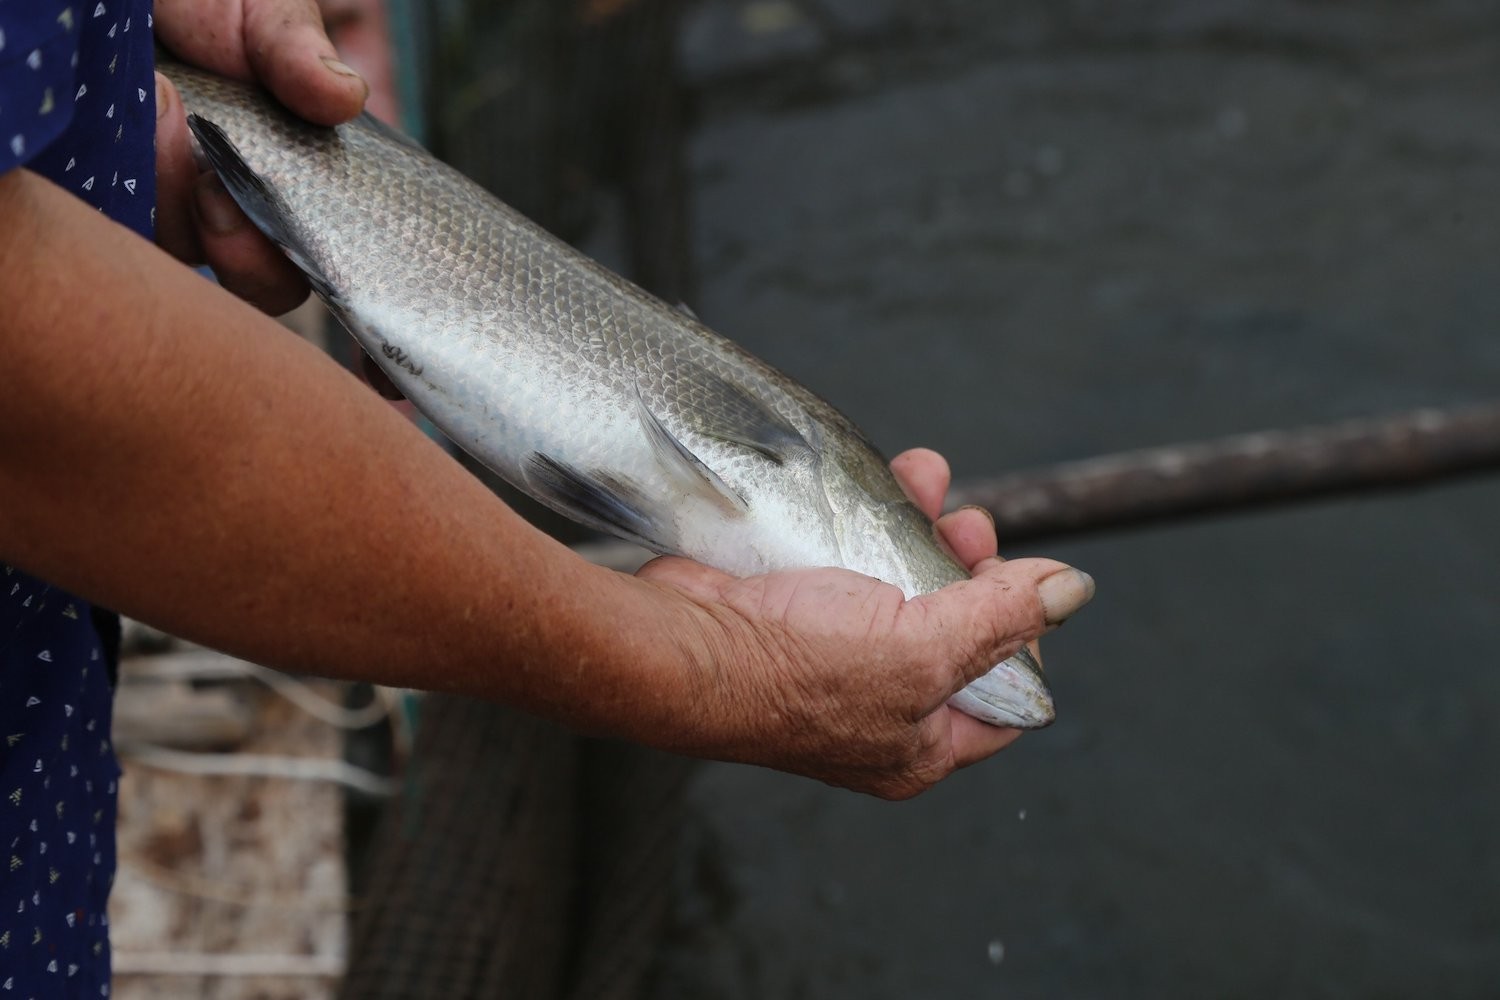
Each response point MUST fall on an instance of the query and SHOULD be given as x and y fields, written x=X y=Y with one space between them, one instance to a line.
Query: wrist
x=662 y=672
x=713 y=661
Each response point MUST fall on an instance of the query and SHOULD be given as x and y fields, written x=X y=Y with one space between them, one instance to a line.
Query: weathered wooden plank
x=1241 y=472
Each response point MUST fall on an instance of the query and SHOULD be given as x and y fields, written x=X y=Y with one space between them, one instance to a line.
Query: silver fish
x=604 y=403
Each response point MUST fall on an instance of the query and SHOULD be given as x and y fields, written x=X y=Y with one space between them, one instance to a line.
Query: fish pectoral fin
x=622 y=506
x=258 y=201
x=597 y=499
x=732 y=413
x=683 y=469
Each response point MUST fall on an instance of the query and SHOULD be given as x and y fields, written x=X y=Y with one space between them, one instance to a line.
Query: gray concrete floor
x=1030 y=231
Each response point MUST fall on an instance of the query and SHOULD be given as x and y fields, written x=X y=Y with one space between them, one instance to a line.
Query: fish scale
x=599 y=400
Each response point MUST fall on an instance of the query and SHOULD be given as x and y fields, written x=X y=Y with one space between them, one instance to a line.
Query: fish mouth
x=1014 y=694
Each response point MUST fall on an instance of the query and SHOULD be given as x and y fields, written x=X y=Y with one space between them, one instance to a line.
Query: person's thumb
x=280 y=43
x=980 y=622
x=290 y=52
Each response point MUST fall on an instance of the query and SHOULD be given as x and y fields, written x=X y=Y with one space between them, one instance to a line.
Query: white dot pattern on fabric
x=68 y=72
x=54 y=884
x=32 y=89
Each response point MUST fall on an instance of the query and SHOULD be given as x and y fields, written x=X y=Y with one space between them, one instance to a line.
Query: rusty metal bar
x=1239 y=472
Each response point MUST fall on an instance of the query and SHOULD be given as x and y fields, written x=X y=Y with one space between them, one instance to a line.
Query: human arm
x=169 y=451
x=172 y=453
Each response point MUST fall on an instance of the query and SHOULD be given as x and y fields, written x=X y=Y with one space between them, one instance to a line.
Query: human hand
x=282 y=45
x=837 y=676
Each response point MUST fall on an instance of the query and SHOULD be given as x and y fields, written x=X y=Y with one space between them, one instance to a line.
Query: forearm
x=170 y=452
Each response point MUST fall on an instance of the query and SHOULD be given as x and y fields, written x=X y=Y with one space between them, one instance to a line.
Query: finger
x=207 y=33
x=176 y=230
x=969 y=533
x=246 y=263
x=359 y=29
x=289 y=51
x=977 y=623
x=924 y=475
x=974 y=741
x=281 y=43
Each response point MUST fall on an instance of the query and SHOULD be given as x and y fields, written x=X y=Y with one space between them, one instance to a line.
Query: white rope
x=182 y=963
x=208 y=665
x=262 y=765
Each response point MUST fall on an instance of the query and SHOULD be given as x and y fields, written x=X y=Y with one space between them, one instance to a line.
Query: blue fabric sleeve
x=38 y=61
x=77 y=107
x=78 y=102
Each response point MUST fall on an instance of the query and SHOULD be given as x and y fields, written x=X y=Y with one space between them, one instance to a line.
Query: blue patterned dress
x=77 y=105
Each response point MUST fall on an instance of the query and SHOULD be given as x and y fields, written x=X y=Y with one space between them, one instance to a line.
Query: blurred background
x=1025 y=232
x=1022 y=232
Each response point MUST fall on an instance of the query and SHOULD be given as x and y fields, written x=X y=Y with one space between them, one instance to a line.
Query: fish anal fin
x=599 y=500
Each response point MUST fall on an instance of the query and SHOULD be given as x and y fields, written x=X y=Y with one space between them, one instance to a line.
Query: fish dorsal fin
x=687 y=311
x=259 y=201
x=731 y=413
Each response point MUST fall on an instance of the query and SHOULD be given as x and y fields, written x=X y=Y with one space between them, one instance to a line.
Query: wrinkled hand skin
x=839 y=638
x=282 y=45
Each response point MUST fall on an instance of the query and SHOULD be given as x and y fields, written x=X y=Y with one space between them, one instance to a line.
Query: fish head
x=882 y=534
x=1014 y=692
